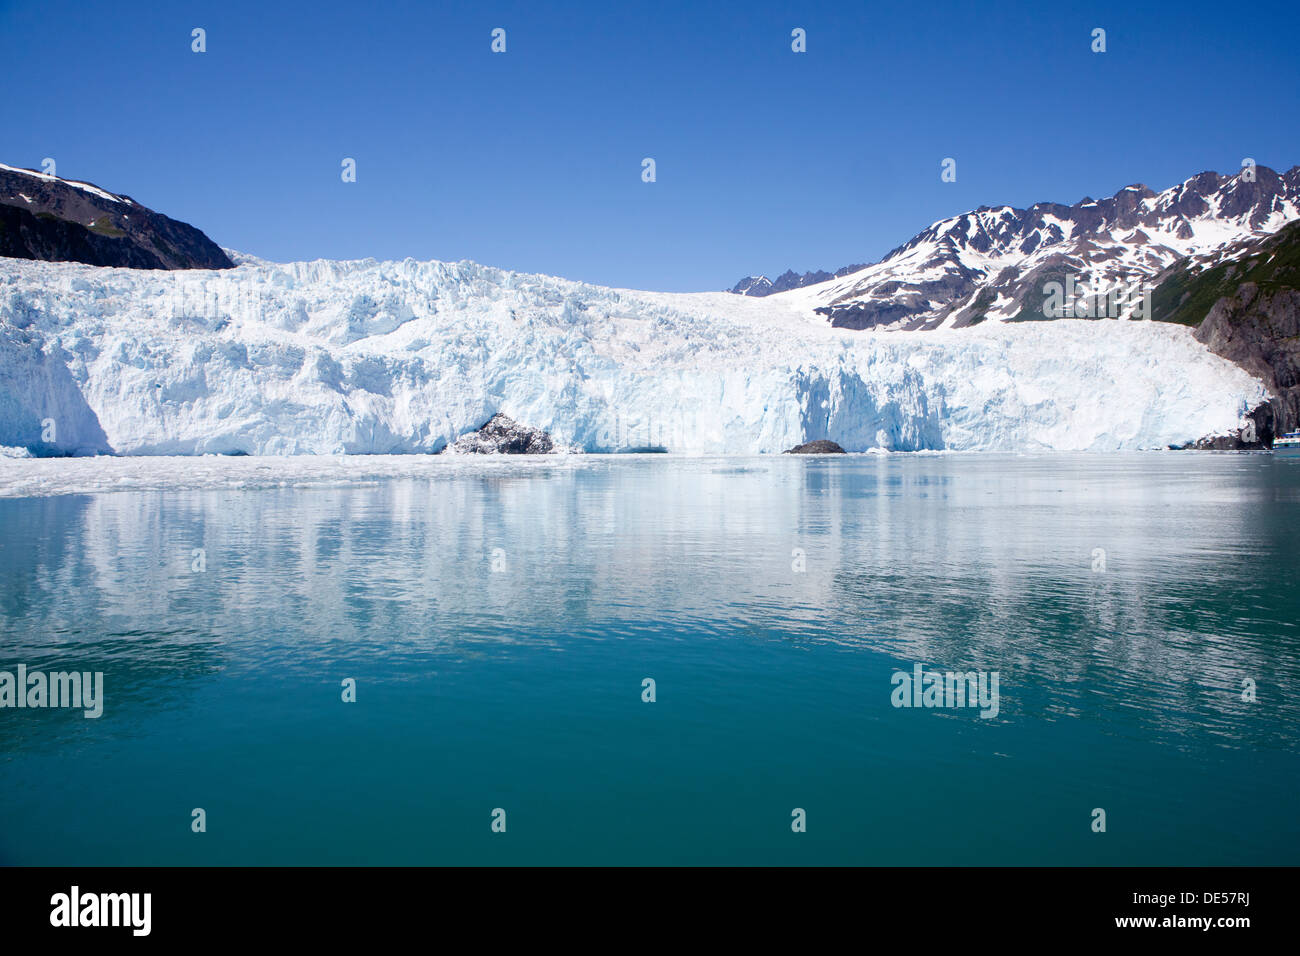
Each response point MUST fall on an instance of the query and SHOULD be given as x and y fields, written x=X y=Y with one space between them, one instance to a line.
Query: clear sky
x=766 y=159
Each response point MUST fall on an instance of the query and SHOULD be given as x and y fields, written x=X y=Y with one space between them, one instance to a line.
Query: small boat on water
x=1288 y=444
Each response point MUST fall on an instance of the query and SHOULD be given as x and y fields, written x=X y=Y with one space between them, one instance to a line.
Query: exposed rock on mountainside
x=59 y=220
x=820 y=447
x=504 y=436
x=753 y=285
x=762 y=285
x=1245 y=305
x=992 y=263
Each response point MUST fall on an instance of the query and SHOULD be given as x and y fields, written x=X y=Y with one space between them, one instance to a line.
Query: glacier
x=368 y=357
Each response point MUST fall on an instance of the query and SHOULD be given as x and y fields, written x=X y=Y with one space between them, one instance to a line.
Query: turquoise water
x=521 y=688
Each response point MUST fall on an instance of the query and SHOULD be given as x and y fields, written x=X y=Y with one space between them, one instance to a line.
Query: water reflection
x=970 y=562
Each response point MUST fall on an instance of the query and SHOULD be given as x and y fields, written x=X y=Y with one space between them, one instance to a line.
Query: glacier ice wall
x=395 y=357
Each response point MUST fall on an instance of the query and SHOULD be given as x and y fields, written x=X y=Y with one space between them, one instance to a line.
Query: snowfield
x=329 y=358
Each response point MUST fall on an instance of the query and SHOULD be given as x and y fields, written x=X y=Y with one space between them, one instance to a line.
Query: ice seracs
x=406 y=357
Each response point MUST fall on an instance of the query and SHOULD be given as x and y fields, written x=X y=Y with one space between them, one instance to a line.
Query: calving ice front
x=922 y=688
x=405 y=357
x=75 y=689
x=75 y=908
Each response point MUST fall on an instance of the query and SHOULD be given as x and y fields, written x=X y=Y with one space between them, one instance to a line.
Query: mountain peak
x=987 y=263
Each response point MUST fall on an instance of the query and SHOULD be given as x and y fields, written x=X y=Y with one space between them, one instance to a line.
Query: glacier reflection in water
x=499 y=624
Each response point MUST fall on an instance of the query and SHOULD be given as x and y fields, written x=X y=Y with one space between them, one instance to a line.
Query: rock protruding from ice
x=821 y=446
x=502 y=435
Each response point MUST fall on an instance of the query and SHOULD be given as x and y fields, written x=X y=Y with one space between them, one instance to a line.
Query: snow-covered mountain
x=992 y=263
x=762 y=285
x=363 y=357
x=753 y=285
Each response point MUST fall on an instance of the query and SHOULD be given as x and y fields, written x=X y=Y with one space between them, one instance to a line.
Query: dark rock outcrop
x=1261 y=333
x=57 y=220
x=1252 y=295
x=502 y=435
x=821 y=446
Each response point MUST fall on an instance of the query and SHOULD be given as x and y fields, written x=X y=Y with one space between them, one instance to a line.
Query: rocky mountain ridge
x=993 y=262
x=61 y=220
x=762 y=285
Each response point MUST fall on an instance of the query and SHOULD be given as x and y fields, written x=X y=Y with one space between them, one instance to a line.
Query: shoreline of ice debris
x=105 y=474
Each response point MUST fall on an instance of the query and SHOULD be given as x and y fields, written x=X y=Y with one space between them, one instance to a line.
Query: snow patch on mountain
x=75 y=184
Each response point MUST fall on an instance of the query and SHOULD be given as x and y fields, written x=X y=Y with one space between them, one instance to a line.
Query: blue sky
x=531 y=159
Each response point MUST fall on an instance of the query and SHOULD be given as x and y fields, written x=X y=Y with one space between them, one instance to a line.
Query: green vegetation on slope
x=1273 y=264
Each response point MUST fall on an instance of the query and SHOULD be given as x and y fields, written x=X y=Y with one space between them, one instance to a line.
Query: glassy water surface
x=499 y=627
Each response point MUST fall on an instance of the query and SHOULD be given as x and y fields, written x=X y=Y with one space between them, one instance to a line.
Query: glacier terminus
x=369 y=357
